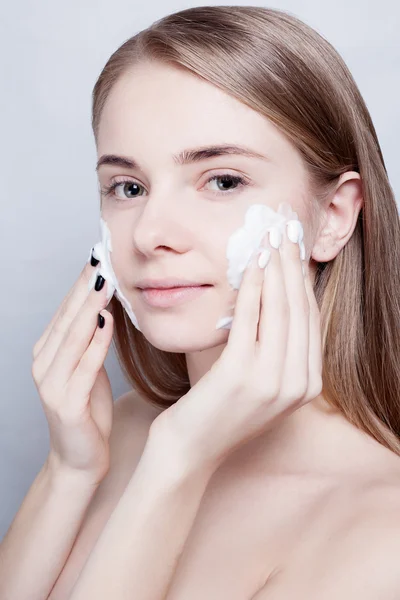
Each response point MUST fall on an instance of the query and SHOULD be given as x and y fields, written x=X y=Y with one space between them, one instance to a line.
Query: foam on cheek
x=241 y=246
x=101 y=251
x=246 y=241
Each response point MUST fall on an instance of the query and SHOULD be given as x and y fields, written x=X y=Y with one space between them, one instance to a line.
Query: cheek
x=218 y=251
x=120 y=261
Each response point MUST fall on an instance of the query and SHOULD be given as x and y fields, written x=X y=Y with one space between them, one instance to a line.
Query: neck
x=315 y=439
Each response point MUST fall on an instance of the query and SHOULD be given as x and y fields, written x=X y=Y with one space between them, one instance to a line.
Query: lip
x=165 y=297
x=167 y=283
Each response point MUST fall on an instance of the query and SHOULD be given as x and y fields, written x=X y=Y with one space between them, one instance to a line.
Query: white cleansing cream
x=242 y=245
x=101 y=251
x=245 y=242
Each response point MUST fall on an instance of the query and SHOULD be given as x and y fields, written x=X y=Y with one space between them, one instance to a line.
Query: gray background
x=52 y=53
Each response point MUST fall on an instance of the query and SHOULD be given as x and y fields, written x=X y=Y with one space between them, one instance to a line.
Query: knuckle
x=72 y=337
x=35 y=350
x=263 y=387
x=270 y=394
x=289 y=396
x=237 y=383
x=315 y=386
x=35 y=370
x=48 y=391
x=58 y=329
x=268 y=390
x=66 y=414
x=295 y=393
x=302 y=387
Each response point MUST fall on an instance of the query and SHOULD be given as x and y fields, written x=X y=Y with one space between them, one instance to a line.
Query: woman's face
x=168 y=219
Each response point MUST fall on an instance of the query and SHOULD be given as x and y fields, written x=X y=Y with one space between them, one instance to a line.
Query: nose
x=162 y=225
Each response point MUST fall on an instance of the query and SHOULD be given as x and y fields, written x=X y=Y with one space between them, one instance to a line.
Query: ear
x=339 y=218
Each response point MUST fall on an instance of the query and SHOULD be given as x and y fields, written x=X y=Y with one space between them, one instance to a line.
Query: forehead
x=166 y=109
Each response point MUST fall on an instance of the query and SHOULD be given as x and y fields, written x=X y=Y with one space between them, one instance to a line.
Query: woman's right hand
x=73 y=384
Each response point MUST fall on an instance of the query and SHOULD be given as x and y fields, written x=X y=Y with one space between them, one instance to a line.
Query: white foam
x=101 y=251
x=245 y=242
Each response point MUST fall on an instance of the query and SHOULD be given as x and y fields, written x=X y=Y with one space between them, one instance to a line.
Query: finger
x=274 y=319
x=78 y=337
x=40 y=343
x=315 y=340
x=243 y=332
x=90 y=372
x=68 y=312
x=295 y=372
x=85 y=274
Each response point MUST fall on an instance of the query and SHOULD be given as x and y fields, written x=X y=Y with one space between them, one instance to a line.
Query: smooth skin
x=76 y=397
x=270 y=366
x=310 y=471
x=273 y=325
x=73 y=384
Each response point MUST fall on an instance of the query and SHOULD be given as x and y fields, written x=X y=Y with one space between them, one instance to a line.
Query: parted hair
x=281 y=67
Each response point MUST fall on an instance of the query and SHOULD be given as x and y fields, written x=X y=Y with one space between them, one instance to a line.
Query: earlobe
x=325 y=248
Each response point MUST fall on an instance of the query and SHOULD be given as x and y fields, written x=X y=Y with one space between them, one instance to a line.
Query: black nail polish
x=93 y=261
x=99 y=283
x=101 y=321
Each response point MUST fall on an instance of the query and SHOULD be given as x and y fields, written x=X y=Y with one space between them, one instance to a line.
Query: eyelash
x=108 y=190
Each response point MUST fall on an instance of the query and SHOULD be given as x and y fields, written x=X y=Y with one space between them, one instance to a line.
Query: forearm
x=39 y=540
x=138 y=550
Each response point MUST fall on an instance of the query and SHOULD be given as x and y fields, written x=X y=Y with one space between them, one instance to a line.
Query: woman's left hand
x=270 y=366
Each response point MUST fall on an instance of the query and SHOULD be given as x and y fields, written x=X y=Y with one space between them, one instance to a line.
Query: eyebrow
x=185 y=157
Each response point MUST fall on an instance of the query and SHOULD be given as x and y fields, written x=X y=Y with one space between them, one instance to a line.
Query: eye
x=227 y=180
x=129 y=187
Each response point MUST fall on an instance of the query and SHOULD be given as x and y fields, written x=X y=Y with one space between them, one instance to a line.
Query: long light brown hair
x=285 y=70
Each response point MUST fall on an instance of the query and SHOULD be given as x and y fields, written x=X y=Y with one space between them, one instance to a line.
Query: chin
x=195 y=337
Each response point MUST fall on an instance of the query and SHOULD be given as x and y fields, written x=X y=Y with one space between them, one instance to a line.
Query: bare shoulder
x=132 y=419
x=364 y=558
x=355 y=555
x=377 y=517
x=371 y=548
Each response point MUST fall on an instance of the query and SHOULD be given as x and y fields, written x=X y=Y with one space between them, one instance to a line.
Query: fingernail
x=99 y=283
x=101 y=321
x=293 y=231
x=275 y=237
x=302 y=251
x=263 y=259
x=93 y=261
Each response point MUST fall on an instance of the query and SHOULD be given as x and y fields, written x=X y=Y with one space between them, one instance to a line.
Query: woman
x=258 y=463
